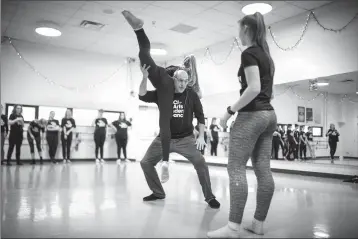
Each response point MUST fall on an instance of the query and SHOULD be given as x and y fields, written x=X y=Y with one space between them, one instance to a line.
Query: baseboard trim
x=287 y=171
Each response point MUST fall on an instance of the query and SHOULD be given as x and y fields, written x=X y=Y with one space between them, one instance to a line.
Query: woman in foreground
x=252 y=132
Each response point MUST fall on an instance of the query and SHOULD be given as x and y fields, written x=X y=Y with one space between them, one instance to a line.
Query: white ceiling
x=216 y=22
x=336 y=86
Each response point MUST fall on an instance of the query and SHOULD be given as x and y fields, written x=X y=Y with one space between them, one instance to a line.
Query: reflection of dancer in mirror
x=52 y=129
x=252 y=132
x=68 y=125
x=34 y=135
x=162 y=80
x=303 y=144
x=100 y=132
x=16 y=122
x=333 y=138
x=4 y=133
x=214 y=141
x=310 y=143
x=121 y=135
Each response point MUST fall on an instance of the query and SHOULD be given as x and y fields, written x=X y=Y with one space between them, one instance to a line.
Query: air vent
x=91 y=25
x=347 y=81
x=182 y=28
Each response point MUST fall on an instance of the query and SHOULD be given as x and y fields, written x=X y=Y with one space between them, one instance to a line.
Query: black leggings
x=214 y=147
x=333 y=147
x=165 y=90
x=121 y=144
x=99 y=139
x=283 y=148
x=293 y=148
x=31 y=143
x=303 y=150
x=275 y=148
x=52 y=141
x=66 y=146
x=15 y=139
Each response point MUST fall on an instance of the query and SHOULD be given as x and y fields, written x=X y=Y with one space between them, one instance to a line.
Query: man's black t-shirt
x=4 y=124
x=184 y=106
x=255 y=56
x=100 y=125
x=18 y=127
x=35 y=128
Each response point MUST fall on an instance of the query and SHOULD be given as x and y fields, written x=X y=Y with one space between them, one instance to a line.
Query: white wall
x=76 y=69
x=322 y=53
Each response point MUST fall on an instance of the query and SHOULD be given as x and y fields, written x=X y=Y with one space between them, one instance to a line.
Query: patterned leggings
x=251 y=135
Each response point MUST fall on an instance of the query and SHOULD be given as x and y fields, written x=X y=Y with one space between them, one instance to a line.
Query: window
x=44 y=112
x=317 y=131
x=28 y=112
x=111 y=116
x=84 y=117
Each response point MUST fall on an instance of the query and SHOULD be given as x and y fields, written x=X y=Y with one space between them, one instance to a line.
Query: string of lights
x=232 y=48
x=52 y=82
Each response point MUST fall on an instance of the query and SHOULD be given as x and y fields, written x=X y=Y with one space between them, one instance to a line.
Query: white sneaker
x=256 y=227
x=68 y=161
x=119 y=161
x=97 y=161
x=224 y=232
x=165 y=172
x=102 y=161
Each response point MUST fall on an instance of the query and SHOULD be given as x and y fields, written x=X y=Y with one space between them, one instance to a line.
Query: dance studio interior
x=268 y=154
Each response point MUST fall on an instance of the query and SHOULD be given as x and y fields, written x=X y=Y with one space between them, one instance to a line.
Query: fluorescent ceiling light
x=158 y=52
x=322 y=83
x=48 y=31
x=262 y=8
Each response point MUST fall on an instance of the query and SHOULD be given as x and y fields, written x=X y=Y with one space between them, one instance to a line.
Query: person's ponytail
x=260 y=39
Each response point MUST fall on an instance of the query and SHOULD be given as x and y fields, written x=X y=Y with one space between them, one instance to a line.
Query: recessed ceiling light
x=322 y=83
x=262 y=8
x=48 y=31
x=158 y=52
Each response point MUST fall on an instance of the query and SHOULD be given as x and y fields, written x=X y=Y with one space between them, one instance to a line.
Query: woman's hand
x=224 y=119
x=144 y=70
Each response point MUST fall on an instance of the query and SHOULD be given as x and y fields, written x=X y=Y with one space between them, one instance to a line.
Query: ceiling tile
x=308 y=5
x=32 y=16
x=134 y=6
x=207 y=4
x=100 y=18
x=164 y=14
x=61 y=8
x=230 y=7
x=287 y=11
x=184 y=7
x=272 y=18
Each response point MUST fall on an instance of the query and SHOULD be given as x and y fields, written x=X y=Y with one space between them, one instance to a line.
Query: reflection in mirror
x=329 y=106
